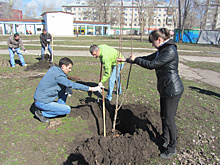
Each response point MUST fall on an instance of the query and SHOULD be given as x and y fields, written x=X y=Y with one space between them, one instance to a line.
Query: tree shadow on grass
x=206 y=92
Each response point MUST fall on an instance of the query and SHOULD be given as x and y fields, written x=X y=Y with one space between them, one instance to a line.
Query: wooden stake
x=103 y=101
x=52 y=48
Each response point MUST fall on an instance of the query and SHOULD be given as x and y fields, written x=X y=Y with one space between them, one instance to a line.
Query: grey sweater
x=12 y=43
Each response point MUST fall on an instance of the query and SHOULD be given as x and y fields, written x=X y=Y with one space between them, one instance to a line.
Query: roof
x=56 y=12
x=20 y=20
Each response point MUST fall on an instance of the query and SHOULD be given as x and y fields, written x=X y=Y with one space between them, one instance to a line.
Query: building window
x=135 y=15
x=159 y=15
x=74 y=19
x=79 y=8
x=135 y=24
x=74 y=9
x=159 y=9
x=158 y=25
x=164 y=15
x=136 y=9
x=79 y=19
x=84 y=9
x=131 y=9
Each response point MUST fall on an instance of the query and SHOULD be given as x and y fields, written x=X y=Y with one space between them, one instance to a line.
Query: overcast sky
x=37 y=4
x=57 y=3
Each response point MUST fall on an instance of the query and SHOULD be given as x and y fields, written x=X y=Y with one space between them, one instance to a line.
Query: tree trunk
x=179 y=5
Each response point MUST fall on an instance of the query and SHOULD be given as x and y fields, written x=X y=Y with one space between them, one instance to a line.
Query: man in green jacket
x=108 y=57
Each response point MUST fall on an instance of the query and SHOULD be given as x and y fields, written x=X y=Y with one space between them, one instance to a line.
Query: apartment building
x=161 y=15
x=213 y=15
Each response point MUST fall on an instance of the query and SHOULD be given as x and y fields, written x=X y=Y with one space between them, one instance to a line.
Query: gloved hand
x=13 y=49
x=97 y=88
x=46 y=48
x=100 y=84
x=68 y=91
x=24 y=50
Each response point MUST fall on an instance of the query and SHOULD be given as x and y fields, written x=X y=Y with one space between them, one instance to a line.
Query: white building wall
x=59 y=24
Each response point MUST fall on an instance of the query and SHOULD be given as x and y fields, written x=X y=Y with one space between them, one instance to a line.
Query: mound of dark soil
x=40 y=65
x=136 y=124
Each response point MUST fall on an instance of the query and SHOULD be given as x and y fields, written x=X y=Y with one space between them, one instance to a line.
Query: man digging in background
x=13 y=43
x=108 y=57
x=45 y=39
x=55 y=84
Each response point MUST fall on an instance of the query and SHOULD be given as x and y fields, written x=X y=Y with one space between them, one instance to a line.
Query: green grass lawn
x=112 y=41
x=24 y=140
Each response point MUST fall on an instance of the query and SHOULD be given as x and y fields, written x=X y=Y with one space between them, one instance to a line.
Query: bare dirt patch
x=40 y=65
x=136 y=124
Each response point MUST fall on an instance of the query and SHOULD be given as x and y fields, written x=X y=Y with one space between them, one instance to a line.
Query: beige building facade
x=162 y=15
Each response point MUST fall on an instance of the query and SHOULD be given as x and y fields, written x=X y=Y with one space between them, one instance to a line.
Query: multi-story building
x=161 y=15
x=213 y=15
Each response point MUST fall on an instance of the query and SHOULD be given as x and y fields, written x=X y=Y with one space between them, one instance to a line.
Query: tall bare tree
x=201 y=9
x=101 y=11
x=184 y=9
x=8 y=6
x=141 y=5
x=146 y=14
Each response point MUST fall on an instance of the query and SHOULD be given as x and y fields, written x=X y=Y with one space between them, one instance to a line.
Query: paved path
x=196 y=74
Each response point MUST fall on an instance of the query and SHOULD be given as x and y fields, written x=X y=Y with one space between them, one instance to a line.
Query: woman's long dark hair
x=162 y=32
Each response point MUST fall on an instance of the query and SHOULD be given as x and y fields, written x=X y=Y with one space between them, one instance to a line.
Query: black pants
x=168 y=108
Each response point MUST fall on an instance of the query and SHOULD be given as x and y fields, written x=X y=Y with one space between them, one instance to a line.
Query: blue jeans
x=12 y=60
x=112 y=81
x=54 y=109
x=43 y=49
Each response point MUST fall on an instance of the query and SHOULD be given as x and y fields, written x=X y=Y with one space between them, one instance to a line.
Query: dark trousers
x=168 y=108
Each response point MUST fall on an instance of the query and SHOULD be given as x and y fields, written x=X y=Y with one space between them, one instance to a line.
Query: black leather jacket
x=166 y=66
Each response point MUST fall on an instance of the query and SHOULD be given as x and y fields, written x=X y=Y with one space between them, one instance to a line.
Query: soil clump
x=130 y=144
x=40 y=65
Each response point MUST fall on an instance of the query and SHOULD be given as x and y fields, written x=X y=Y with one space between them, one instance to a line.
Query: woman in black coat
x=169 y=84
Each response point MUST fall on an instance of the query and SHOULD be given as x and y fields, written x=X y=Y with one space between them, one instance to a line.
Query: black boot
x=41 y=117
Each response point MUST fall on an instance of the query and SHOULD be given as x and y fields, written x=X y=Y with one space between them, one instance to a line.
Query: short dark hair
x=65 y=61
x=16 y=34
x=44 y=30
x=93 y=48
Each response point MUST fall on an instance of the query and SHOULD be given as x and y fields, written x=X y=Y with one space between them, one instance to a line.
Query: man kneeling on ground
x=54 y=84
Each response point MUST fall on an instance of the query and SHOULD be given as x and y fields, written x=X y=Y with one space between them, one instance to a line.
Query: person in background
x=45 y=39
x=14 y=43
x=170 y=87
x=108 y=57
x=54 y=85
